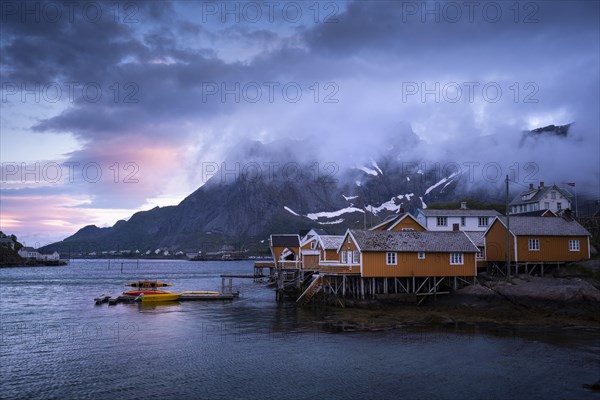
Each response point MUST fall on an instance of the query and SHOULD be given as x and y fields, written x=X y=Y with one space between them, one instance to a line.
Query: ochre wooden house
x=536 y=241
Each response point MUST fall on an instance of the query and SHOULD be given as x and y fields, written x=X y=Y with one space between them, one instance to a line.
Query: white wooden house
x=463 y=219
x=543 y=197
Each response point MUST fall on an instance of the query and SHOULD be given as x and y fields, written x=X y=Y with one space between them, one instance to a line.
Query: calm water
x=56 y=343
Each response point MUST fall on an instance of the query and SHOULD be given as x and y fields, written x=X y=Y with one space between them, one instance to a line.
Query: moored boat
x=144 y=291
x=159 y=297
x=148 y=284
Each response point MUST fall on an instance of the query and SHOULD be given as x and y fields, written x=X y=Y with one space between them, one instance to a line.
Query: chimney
x=401 y=210
x=463 y=205
x=531 y=186
x=455 y=227
x=541 y=185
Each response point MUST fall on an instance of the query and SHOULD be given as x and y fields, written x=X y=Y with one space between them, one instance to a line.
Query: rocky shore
x=570 y=299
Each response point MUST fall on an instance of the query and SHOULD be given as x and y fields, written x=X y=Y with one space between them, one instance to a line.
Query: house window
x=355 y=257
x=390 y=258
x=313 y=245
x=559 y=206
x=480 y=255
x=442 y=221
x=573 y=245
x=483 y=221
x=546 y=205
x=344 y=258
x=456 y=259
x=463 y=221
x=553 y=195
x=349 y=239
x=421 y=255
x=534 y=244
x=408 y=229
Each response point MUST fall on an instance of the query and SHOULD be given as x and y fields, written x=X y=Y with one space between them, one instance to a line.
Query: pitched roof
x=476 y=237
x=331 y=242
x=544 y=226
x=538 y=196
x=386 y=222
x=537 y=213
x=285 y=241
x=459 y=213
x=392 y=221
x=28 y=249
x=413 y=241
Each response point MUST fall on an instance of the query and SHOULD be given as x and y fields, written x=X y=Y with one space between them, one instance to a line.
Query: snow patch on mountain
x=347 y=198
x=333 y=214
x=291 y=211
x=368 y=170
x=337 y=221
x=373 y=163
x=442 y=181
x=390 y=205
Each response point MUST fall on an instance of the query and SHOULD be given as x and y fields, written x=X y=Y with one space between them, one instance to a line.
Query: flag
x=570 y=183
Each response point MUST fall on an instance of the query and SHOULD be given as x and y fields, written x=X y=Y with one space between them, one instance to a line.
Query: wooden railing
x=289 y=264
x=339 y=268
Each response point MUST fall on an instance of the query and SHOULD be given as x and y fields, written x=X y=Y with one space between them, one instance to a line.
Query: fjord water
x=56 y=343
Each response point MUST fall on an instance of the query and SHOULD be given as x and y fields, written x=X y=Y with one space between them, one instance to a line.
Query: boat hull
x=160 y=297
x=148 y=284
x=145 y=292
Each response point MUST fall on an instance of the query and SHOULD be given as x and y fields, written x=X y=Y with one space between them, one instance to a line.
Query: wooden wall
x=409 y=222
x=434 y=264
x=552 y=248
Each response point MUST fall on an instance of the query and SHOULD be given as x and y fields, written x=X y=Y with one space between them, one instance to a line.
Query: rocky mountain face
x=282 y=188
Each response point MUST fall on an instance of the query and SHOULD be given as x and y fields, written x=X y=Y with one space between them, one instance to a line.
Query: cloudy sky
x=109 y=108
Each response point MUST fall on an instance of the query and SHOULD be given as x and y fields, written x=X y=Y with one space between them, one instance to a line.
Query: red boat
x=145 y=291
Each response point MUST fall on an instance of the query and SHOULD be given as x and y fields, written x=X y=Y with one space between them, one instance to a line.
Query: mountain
x=282 y=187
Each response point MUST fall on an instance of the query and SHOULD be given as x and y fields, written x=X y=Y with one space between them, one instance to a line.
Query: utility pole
x=507 y=233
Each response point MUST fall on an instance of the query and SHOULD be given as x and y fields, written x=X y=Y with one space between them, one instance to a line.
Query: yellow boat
x=158 y=297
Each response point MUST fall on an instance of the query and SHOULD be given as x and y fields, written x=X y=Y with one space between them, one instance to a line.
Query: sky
x=109 y=108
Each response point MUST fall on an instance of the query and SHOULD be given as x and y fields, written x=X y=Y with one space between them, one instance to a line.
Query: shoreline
x=524 y=301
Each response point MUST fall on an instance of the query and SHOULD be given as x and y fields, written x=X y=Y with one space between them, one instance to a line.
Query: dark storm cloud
x=372 y=49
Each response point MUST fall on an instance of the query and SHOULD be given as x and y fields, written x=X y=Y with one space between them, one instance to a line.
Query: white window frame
x=457 y=259
x=408 y=229
x=421 y=255
x=480 y=255
x=441 y=221
x=355 y=257
x=547 y=205
x=574 y=245
x=485 y=220
x=391 y=258
x=533 y=244
x=553 y=195
x=344 y=257
x=559 y=206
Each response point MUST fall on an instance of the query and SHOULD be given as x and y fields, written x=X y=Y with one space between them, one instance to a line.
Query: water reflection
x=57 y=343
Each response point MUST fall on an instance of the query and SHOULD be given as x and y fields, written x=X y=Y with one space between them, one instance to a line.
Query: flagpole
x=576 y=212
